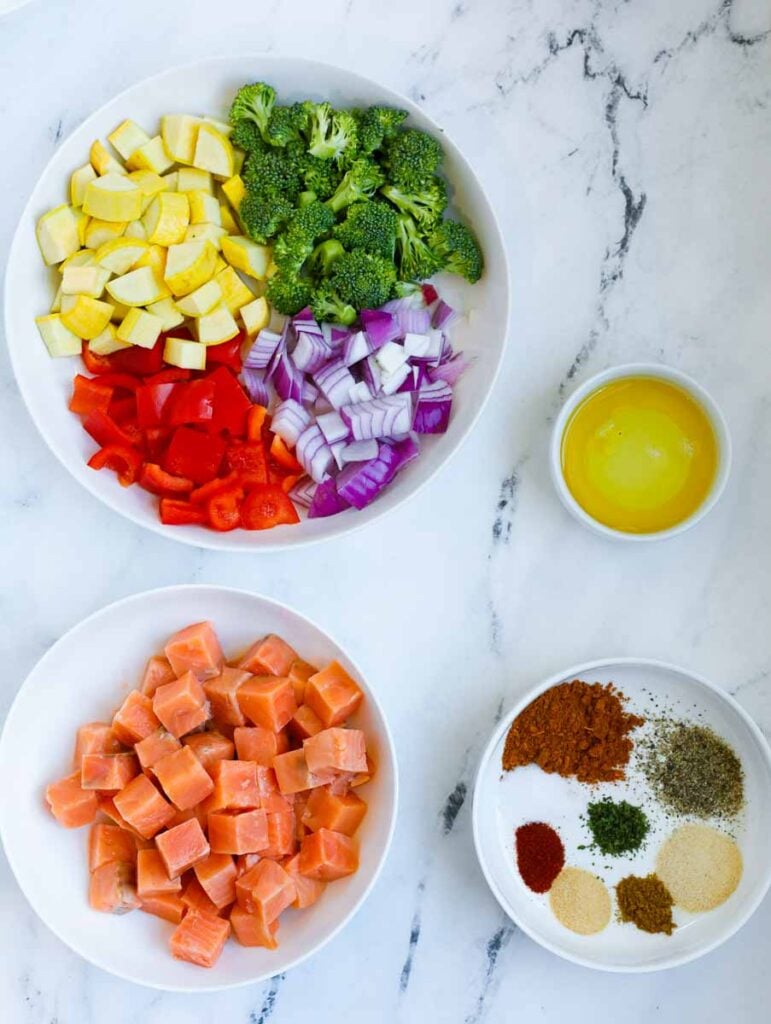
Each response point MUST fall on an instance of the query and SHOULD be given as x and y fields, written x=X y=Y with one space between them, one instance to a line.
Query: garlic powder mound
x=700 y=866
x=580 y=901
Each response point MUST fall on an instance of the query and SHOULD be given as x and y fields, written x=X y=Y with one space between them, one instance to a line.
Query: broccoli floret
x=425 y=204
x=288 y=294
x=412 y=157
x=377 y=124
x=360 y=182
x=312 y=221
x=327 y=306
x=321 y=176
x=273 y=170
x=287 y=124
x=370 y=226
x=416 y=259
x=264 y=213
x=457 y=250
x=246 y=135
x=363 y=280
x=332 y=132
x=295 y=245
x=305 y=198
x=253 y=103
x=323 y=257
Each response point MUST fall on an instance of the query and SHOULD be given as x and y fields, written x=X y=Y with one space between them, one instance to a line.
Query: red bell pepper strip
x=120 y=381
x=93 y=363
x=156 y=439
x=105 y=431
x=181 y=513
x=172 y=375
x=289 y=481
x=256 y=420
x=123 y=410
x=281 y=454
x=231 y=403
x=141 y=361
x=430 y=294
x=221 y=483
x=265 y=507
x=154 y=402
x=248 y=460
x=123 y=459
x=223 y=508
x=227 y=354
x=158 y=481
x=89 y=393
x=193 y=403
x=194 y=455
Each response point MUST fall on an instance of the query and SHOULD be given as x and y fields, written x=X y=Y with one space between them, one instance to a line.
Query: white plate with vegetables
x=157 y=263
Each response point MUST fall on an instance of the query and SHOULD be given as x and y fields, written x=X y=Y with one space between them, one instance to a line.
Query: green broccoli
x=287 y=124
x=288 y=294
x=253 y=103
x=323 y=257
x=332 y=132
x=362 y=280
x=363 y=178
x=246 y=135
x=377 y=124
x=412 y=157
x=263 y=214
x=457 y=250
x=370 y=226
x=321 y=176
x=273 y=170
x=425 y=204
x=305 y=198
x=295 y=245
x=327 y=306
x=416 y=259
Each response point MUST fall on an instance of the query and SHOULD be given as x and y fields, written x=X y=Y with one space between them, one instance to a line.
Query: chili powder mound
x=540 y=855
x=575 y=729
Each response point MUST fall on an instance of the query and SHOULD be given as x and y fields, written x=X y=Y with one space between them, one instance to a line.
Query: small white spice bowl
x=667 y=373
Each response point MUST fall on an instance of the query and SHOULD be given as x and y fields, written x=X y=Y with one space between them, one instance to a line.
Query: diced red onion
x=303 y=491
x=280 y=349
x=380 y=326
x=416 y=381
x=335 y=381
x=371 y=374
x=391 y=357
x=361 y=482
x=287 y=379
x=310 y=392
x=356 y=348
x=305 y=322
x=391 y=382
x=333 y=427
x=413 y=301
x=380 y=417
x=310 y=352
x=432 y=413
x=335 y=335
x=261 y=352
x=451 y=371
x=407 y=450
x=413 y=321
x=444 y=315
x=256 y=386
x=326 y=501
x=314 y=453
x=359 y=451
x=289 y=421
x=360 y=392
x=337 y=453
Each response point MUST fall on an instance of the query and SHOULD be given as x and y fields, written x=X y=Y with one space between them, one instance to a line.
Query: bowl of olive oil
x=640 y=452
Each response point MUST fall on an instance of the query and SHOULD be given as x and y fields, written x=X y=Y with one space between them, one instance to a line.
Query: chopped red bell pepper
x=120 y=381
x=193 y=403
x=221 y=483
x=281 y=454
x=289 y=481
x=123 y=410
x=94 y=363
x=172 y=375
x=256 y=420
x=141 y=361
x=265 y=507
x=154 y=403
x=156 y=439
x=122 y=458
x=181 y=513
x=223 y=508
x=231 y=403
x=227 y=354
x=89 y=393
x=430 y=294
x=194 y=455
x=248 y=460
x=158 y=481
x=105 y=431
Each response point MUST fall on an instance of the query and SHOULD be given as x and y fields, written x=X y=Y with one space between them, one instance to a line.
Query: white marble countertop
x=626 y=147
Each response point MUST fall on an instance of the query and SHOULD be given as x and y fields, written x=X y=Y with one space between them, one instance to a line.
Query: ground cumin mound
x=575 y=729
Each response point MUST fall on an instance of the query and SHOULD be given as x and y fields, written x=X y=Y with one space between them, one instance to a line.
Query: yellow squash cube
x=58 y=338
x=56 y=305
x=100 y=231
x=256 y=316
x=81 y=258
x=179 y=133
x=171 y=180
x=222 y=127
x=84 y=316
x=189 y=265
x=140 y=328
x=234 y=190
x=167 y=313
x=107 y=342
x=228 y=221
x=246 y=255
x=166 y=218
x=139 y=287
x=190 y=179
x=152 y=156
x=120 y=254
x=127 y=138
x=154 y=256
x=84 y=281
x=78 y=181
x=235 y=293
x=213 y=151
x=113 y=197
x=83 y=220
x=204 y=208
x=206 y=233
x=216 y=327
x=103 y=161
x=187 y=354
x=201 y=301
x=57 y=234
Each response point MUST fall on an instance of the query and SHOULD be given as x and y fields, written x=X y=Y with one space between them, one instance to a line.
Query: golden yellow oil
x=639 y=454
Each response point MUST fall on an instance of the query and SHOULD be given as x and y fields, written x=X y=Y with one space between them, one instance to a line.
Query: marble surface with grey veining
x=626 y=146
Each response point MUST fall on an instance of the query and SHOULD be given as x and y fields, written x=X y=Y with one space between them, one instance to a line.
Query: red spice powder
x=540 y=855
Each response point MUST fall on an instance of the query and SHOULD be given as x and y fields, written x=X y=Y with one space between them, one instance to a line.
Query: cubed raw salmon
x=327 y=855
x=294 y=775
x=107 y=772
x=235 y=786
x=308 y=889
x=152 y=876
x=157 y=745
x=184 y=779
x=299 y=673
x=182 y=847
x=344 y=750
x=194 y=897
x=251 y=930
x=107 y=806
x=338 y=813
x=281 y=834
x=167 y=905
x=181 y=706
x=95 y=738
x=158 y=672
x=361 y=778
x=222 y=692
x=266 y=889
x=217 y=875
x=107 y=843
x=143 y=807
x=255 y=743
x=271 y=656
x=195 y=649
x=111 y=888
x=245 y=862
x=199 y=939
x=209 y=747
x=333 y=694
x=304 y=723
x=268 y=701
x=70 y=804
x=246 y=832
x=134 y=719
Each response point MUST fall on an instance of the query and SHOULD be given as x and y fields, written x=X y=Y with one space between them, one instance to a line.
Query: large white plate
x=503 y=801
x=82 y=678
x=207 y=87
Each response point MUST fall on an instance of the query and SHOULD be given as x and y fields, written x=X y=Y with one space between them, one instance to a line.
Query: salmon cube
x=182 y=847
x=107 y=806
x=246 y=832
x=299 y=807
x=152 y=876
x=184 y=779
x=222 y=692
x=255 y=743
x=294 y=775
x=107 y=843
x=305 y=722
x=143 y=807
x=195 y=649
x=134 y=719
x=251 y=930
x=235 y=786
x=246 y=861
x=70 y=804
x=108 y=772
x=269 y=657
x=308 y=889
x=157 y=745
x=167 y=905
x=268 y=701
x=281 y=834
x=158 y=672
x=199 y=938
x=95 y=738
x=327 y=855
x=266 y=889
x=341 y=749
x=209 y=747
x=181 y=706
x=299 y=673
x=111 y=888
x=194 y=897
x=333 y=694
x=360 y=778
x=338 y=813
x=217 y=875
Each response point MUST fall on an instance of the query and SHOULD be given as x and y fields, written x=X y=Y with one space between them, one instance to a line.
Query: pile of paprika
x=540 y=855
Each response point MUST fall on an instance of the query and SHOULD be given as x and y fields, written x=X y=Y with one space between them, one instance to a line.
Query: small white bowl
x=687 y=383
x=505 y=800
x=82 y=678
